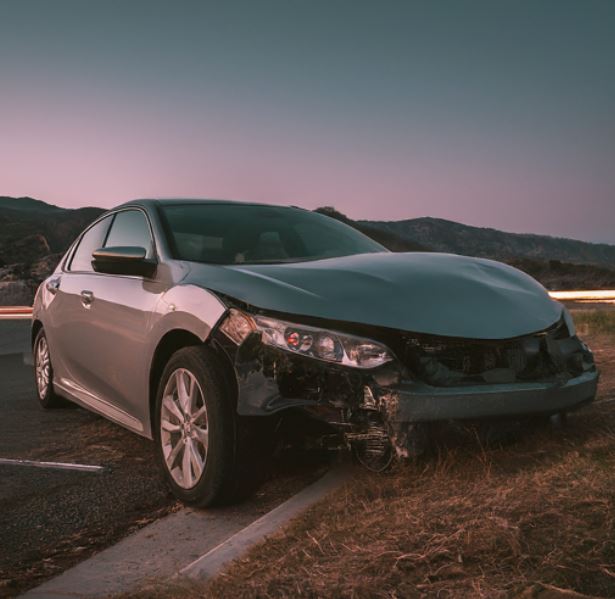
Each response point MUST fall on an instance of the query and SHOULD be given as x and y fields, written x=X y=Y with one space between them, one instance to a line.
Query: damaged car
x=200 y=323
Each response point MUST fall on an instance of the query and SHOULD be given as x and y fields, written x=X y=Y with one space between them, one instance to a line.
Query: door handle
x=87 y=297
x=53 y=285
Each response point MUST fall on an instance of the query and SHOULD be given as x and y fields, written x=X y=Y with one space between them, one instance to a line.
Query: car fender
x=186 y=307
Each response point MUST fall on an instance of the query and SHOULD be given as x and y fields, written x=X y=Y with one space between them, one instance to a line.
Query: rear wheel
x=201 y=443
x=43 y=373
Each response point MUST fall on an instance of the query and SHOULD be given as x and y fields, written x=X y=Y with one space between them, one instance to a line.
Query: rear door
x=66 y=314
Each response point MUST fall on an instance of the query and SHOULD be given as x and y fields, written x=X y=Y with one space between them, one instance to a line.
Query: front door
x=118 y=312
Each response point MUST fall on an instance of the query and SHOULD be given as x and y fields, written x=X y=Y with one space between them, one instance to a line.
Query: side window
x=130 y=228
x=92 y=240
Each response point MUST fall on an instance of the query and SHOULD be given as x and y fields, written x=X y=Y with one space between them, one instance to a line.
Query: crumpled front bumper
x=388 y=410
x=416 y=402
x=391 y=407
x=270 y=380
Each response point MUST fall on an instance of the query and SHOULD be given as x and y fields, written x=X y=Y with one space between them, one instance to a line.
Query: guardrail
x=585 y=296
x=602 y=295
x=15 y=312
x=15 y=309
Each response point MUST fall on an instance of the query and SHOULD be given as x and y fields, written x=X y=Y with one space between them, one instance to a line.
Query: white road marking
x=53 y=465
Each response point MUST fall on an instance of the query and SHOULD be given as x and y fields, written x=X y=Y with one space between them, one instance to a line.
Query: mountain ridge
x=34 y=235
x=446 y=235
x=29 y=204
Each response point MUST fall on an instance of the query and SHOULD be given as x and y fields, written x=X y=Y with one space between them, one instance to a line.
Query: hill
x=26 y=204
x=34 y=234
x=31 y=229
x=447 y=236
x=556 y=262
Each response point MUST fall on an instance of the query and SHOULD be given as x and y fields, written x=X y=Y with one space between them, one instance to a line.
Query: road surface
x=51 y=519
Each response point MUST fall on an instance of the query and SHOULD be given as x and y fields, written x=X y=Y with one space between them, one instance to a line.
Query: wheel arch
x=171 y=342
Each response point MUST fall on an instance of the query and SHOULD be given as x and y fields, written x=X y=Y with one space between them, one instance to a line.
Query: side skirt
x=88 y=400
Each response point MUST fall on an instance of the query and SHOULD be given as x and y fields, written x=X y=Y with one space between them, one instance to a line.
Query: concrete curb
x=218 y=536
x=214 y=561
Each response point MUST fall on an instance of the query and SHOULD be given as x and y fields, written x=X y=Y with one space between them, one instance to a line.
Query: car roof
x=150 y=202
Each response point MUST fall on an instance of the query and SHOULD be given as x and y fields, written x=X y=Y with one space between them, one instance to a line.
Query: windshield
x=253 y=234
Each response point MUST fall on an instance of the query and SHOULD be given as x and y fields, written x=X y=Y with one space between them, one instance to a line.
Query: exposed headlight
x=321 y=344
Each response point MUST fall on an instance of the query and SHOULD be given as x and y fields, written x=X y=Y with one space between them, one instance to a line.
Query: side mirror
x=123 y=261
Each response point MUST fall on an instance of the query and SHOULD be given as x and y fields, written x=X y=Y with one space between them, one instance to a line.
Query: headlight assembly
x=321 y=344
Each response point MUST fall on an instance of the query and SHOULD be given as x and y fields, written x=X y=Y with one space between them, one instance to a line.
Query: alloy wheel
x=43 y=367
x=184 y=430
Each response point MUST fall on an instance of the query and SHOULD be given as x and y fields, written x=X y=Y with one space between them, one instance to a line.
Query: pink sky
x=487 y=118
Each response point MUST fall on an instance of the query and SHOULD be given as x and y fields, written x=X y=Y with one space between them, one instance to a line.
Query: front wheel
x=201 y=443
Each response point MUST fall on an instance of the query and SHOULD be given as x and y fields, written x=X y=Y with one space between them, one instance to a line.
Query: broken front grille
x=548 y=355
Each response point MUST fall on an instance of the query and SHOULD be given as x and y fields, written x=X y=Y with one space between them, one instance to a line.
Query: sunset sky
x=492 y=113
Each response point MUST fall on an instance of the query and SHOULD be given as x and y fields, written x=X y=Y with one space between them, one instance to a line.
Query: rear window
x=253 y=234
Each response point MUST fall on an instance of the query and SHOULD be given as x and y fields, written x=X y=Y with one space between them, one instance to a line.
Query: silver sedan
x=199 y=324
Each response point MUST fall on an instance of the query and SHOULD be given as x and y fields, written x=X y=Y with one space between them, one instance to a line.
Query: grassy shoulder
x=594 y=322
x=532 y=518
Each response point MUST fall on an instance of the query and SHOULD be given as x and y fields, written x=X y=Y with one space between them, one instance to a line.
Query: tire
x=43 y=374
x=227 y=464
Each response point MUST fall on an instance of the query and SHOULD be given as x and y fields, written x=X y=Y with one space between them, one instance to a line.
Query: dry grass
x=525 y=520
x=594 y=322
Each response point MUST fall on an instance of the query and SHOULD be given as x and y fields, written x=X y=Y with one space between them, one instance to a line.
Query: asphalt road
x=52 y=519
x=14 y=335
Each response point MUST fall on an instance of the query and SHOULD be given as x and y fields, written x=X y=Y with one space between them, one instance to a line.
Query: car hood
x=438 y=294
